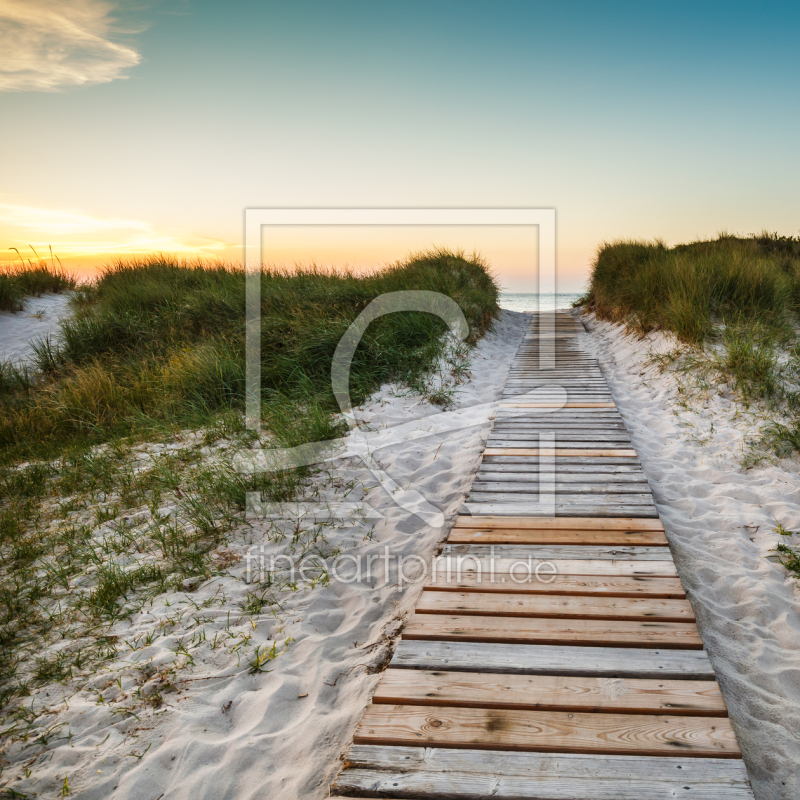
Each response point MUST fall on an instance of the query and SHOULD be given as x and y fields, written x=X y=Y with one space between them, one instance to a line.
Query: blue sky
x=632 y=120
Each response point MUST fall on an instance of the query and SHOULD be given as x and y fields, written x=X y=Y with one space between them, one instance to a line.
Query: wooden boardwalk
x=553 y=653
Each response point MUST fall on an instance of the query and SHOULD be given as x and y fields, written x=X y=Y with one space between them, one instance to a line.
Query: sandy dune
x=225 y=732
x=719 y=520
x=39 y=318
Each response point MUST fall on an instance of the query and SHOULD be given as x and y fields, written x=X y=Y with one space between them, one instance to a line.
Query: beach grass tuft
x=29 y=277
x=737 y=298
x=160 y=343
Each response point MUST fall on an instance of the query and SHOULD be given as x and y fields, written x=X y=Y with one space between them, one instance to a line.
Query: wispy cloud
x=48 y=45
x=74 y=233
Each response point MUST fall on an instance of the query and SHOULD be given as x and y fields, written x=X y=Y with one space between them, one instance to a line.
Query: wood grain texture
x=548 y=731
x=600 y=499
x=482 y=486
x=464 y=774
x=558 y=405
x=545 y=571
x=561 y=524
x=610 y=586
x=531 y=659
x=550 y=693
x=586 y=632
x=513 y=604
x=557 y=451
x=563 y=476
x=562 y=509
x=547 y=552
x=512 y=535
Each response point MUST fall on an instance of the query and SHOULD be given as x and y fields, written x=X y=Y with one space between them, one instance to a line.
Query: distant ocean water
x=535 y=302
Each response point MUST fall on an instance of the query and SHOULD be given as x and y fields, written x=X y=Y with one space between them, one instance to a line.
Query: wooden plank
x=513 y=604
x=531 y=437
x=584 y=498
x=548 y=731
x=563 y=430
x=561 y=509
x=494 y=485
x=609 y=585
x=586 y=632
x=565 y=441
x=521 y=568
x=558 y=405
x=488 y=474
x=562 y=441
x=556 y=383
x=548 y=552
x=550 y=693
x=532 y=659
x=549 y=451
x=559 y=417
x=520 y=429
x=575 y=430
x=519 y=424
x=464 y=774
x=512 y=535
x=565 y=467
x=559 y=524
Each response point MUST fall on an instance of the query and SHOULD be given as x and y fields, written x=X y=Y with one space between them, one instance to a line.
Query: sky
x=132 y=127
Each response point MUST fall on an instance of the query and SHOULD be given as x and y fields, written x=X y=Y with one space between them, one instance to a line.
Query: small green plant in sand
x=788 y=554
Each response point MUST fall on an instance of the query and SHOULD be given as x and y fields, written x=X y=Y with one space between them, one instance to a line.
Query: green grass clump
x=733 y=302
x=740 y=293
x=160 y=343
x=26 y=278
x=692 y=289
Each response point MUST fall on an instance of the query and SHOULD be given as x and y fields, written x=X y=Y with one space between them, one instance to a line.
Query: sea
x=537 y=302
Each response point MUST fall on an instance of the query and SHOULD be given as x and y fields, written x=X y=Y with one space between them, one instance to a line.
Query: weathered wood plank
x=561 y=442
x=466 y=563
x=512 y=535
x=494 y=485
x=519 y=423
x=548 y=731
x=587 y=632
x=558 y=451
x=554 y=405
x=561 y=509
x=532 y=659
x=547 y=552
x=560 y=524
x=550 y=693
x=606 y=498
x=487 y=475
x=610 y=585
x=512 y=604
x=463 y=774
x=565 y=467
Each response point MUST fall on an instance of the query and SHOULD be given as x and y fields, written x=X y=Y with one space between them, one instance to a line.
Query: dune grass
x=736 y=297
x=115 y=485
x=27 y=277
x=157 y=343
x=693 y=289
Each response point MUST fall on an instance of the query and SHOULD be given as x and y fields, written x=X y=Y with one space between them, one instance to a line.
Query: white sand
x=226 y=733
x=719 y=520
x=37 y=320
